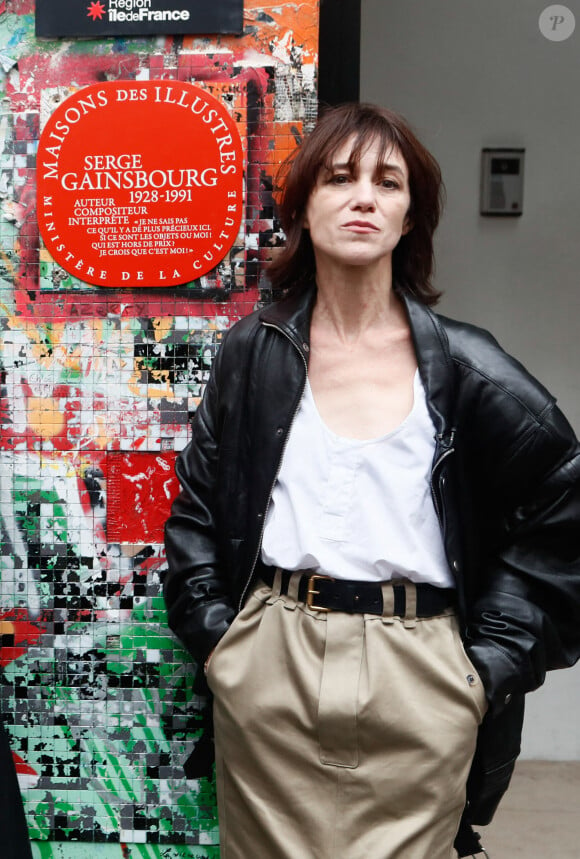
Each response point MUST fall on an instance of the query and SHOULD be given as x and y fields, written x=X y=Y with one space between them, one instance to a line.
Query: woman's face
x=356 y=217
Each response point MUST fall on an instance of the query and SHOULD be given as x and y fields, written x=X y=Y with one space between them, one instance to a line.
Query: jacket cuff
x=497 y=671
x=203 y=632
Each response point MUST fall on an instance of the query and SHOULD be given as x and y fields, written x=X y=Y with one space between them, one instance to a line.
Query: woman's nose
x=363 y=195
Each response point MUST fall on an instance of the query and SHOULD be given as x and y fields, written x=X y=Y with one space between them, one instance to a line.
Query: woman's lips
x=361 y=226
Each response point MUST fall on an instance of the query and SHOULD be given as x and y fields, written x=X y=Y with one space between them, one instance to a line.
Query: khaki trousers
x=341 y=736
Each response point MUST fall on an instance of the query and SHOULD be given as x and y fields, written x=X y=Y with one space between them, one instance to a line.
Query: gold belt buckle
x=311 y=592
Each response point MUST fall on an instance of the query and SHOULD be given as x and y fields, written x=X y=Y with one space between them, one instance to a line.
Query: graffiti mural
x=97 y=389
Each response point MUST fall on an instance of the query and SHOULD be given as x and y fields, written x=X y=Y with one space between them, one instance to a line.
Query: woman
x=375 y=551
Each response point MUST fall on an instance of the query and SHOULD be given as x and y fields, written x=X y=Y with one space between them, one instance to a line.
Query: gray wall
x=468 y=74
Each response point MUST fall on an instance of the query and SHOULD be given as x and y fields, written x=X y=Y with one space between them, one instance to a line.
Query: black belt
x=324 y=593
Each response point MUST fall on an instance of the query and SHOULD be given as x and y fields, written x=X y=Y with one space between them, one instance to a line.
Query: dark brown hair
x=293 y=268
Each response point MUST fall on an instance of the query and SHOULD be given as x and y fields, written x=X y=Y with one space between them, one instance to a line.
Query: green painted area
x=70 y=850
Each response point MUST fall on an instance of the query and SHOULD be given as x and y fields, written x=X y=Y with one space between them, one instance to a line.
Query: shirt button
x=456 y=566
x=280 y=431
x=306 y=347
x=507 y=698
x=260 y=517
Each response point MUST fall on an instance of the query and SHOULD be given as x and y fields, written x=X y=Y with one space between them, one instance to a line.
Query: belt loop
x=276 y=586
x=410 y=605
x=388 y=602
x=292 y=591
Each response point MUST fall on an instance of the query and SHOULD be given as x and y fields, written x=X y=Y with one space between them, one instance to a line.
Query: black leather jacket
x=505 y=482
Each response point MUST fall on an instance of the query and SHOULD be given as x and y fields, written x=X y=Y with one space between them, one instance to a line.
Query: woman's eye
x=340 y=179
x=390 y=183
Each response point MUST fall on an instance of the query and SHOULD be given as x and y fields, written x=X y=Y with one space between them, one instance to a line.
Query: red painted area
x=21 y=7
x=22 y=768
x=126 y=304
x=48 y=70
x=17 y=634
x=141 y=488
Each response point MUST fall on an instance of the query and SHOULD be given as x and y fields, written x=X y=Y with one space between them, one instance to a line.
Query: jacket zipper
x=443 y=456
x=255 y=561
x=449 y=449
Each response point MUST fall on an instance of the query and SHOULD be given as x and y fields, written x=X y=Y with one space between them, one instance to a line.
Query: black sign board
x=97 y=18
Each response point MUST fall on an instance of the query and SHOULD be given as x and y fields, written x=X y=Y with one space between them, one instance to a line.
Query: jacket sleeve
x=525 y=619
x=195 y=587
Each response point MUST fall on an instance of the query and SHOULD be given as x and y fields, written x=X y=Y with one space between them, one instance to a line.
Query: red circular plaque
x=139 y=183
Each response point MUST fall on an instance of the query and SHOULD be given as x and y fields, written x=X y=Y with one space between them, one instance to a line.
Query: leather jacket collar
x=292 y=316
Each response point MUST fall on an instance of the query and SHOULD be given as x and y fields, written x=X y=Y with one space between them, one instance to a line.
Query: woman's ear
x=407 y=225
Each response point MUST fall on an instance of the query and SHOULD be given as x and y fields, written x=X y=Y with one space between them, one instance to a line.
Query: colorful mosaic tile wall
x=97 y=387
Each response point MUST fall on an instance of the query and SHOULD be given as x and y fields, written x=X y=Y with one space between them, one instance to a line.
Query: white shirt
x=357 y=509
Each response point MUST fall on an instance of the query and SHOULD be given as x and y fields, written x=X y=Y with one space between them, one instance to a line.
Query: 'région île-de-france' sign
x=97 y=18
x=140 y=183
